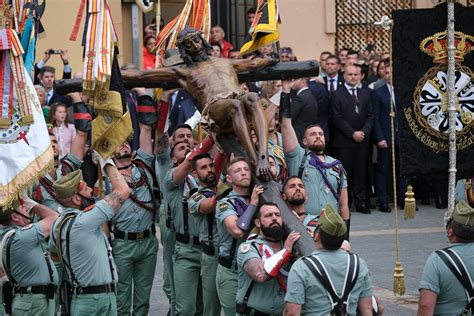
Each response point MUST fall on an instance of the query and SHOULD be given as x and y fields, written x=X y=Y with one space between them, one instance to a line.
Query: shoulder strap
x=5 y=260
x=454 y=262
x=249 y=289
x=66 y=264
x=302 y=164
x=317 y=267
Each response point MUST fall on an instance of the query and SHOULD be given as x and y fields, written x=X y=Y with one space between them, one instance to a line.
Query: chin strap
x=273 y=264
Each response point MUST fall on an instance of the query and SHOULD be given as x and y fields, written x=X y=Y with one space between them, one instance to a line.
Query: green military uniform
x=167 y=235
x=266 y=297
x=313 y=181
x=44 y=191
x=209 y=239
x=226 y=275
x=135 y=246
x=33 y=272
x=311 y=222
x=305 y=289
x=87 y=252
x=437 y=277
x=187 y=250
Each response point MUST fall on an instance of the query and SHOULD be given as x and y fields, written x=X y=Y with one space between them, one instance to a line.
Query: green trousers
x=210 y=300
x=188 y=288
x=32 y=305
x=136 y=264
x=103 y=304
x=226 y=284
x=168 y=240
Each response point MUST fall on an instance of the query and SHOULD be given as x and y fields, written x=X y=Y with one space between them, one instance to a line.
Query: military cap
x=68 y=185
x=8 y=209
x=331 y=222
x=463 y=214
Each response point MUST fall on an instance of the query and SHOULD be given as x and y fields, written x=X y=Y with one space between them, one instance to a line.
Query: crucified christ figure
x=225 y=108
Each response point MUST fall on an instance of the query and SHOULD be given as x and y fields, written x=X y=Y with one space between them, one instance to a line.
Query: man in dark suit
x=334 y=78
x=322 y=98
x=353 y=120
x=383 y=139
x=304 y=108
x=182 y=108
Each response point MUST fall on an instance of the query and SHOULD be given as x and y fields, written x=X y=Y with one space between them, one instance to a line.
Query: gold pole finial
x=410 y=203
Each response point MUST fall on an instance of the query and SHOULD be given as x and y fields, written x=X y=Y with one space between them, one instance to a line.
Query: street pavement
x=373 y=238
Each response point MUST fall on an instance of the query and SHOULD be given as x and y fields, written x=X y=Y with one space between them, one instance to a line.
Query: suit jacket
x=66 y=75
x=340 y=81
x=182 y=109
x=347 y=121
x=304 y=112
x=322 y=98
x=382 y=126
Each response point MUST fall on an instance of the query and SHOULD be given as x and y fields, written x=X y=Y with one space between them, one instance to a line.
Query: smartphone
x=55 y=51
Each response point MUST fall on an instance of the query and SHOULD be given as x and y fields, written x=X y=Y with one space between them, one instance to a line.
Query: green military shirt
x=266 y=297
x=91 y=254
x=68 y=164
x=306 y=290
x=175 y=195
x=225 y=208
x=162 y=165
x=319 y=195
x=28 y=263
x=439 y=279
x=204 y=219
x=131 y=217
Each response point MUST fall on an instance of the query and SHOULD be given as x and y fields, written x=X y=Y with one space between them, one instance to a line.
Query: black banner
x=420 y=81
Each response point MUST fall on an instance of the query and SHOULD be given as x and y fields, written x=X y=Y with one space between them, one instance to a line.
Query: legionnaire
x=234 y=214
x=78 y=241
x=202 y=203
x=30 y=271
x=44 y=192
x=344 y=287
x=262 y=262
x=135 y=246
x=322 y=175
x=446 y=286
x=465 y=191
x=294 y=194
x=187 y=250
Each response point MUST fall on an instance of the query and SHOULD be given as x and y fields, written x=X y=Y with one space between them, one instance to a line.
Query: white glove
x=104 y=162
x=28 y=202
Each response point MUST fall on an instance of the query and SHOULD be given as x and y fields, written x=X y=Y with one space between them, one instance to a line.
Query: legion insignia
x=428 y=119
x=197 y=197
x=223 y=207
x=244 y=248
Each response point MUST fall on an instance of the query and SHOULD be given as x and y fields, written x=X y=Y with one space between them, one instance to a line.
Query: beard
x=86 y=202
x=210 y=180
x=275 y=233
x=297 y=201
x=317 y=148
x=123 y=156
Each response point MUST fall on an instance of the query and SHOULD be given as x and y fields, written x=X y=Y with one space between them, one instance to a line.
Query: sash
x=321 y=165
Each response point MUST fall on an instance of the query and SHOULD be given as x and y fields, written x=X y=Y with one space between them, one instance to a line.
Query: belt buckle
x=108 y=287
x=141 y=236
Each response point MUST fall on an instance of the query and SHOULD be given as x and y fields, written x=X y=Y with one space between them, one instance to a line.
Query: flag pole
x=451 y=112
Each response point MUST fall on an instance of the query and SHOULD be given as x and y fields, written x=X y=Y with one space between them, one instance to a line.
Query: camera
x=55 y=52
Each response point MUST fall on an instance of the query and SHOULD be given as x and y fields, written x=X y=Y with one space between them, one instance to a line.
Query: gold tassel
x=27 y=119
x=410 y=203
x=398 y=280
x=5 y=122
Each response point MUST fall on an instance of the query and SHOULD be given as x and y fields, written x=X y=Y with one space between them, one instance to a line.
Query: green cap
x=463 y=213
x=68 y=185
x=331 y=222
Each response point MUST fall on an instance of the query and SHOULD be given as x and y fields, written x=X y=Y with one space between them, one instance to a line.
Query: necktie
x=356 y=103
x=331 y=86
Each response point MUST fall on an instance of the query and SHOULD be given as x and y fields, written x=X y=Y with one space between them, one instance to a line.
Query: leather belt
x=37 y=289
x=96 y=289
x=208 y=249
x=186 y=239
x=135 y=236
x=227 y=262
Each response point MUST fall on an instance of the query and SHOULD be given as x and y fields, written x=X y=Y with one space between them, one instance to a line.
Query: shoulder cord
x=6 y=264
